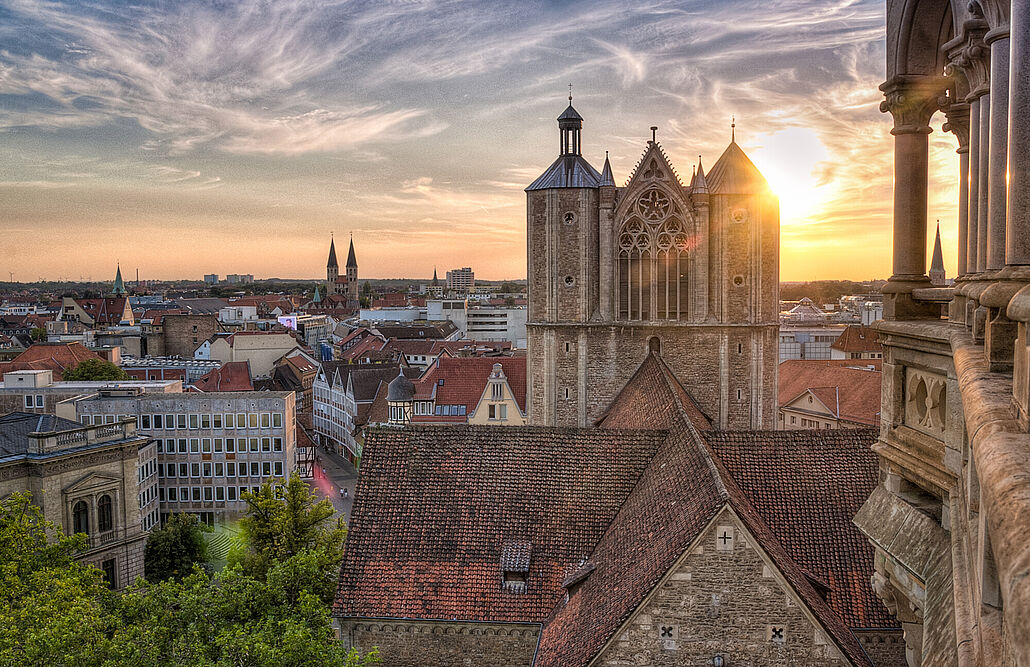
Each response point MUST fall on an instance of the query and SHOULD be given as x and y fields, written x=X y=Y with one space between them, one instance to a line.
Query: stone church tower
x=691 y=271
x=347 y=284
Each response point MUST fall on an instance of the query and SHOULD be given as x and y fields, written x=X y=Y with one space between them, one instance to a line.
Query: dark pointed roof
x=351 y=261
x=436 y=281
x=937 y=263
x=332 y=264
x=568 y=171
x=400 y=389
x=119 y=285
x=570 y=113
x=606 y=172
x=734 y=173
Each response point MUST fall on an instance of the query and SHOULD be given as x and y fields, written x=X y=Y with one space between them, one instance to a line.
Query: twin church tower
x=688 y=271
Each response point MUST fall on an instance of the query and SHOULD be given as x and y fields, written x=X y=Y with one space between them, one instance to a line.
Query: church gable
x=723 y=597
x=652 y=170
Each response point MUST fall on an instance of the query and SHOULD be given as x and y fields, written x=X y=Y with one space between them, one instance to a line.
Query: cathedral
x=687 y=270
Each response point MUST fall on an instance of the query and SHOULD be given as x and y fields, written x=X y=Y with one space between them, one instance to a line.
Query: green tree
x=366 y=289
x=95 y=369
x=287 y=522
x=173 y=549
x=38 y=333
x=53 y=610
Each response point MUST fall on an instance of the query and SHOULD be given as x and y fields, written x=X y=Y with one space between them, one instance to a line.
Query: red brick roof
x=810 y=514
x=847 y=387
x=433 y=507
x=464 y=380
x=856 y=338
x=104 y=311
x=364 y=348
x=56 y=357
x=232 y=376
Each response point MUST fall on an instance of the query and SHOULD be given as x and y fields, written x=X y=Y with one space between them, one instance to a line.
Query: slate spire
x=606 y=172
x=351 y=261
x=119 y=285
x=332 y=264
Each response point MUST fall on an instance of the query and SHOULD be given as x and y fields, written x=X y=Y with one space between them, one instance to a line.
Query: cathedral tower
x=352 y=273
x=690 y=271
x=332 y=269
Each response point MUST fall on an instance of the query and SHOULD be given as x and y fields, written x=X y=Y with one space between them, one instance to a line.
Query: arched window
x=105 y=514
x=80 y=517
x=653 y=269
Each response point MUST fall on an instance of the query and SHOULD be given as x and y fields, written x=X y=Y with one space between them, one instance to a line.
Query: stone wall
x=183 y=333
x=443 y=644
x=729 y=370
x=722 y=598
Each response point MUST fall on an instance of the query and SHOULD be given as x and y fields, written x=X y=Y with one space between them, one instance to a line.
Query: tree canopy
x=173 y=549
x=95 y=369
x=55 y=611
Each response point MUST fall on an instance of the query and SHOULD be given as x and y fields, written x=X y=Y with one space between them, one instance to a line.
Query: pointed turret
x=119 y=285
x=937 y=275
x=352 y=263
x=699 y=184
x=606 y=172
x=332 y=263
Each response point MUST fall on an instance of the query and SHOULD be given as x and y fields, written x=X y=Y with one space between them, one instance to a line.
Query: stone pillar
x=984 y=163
x=998 y=39
x=973 y=198
x=1017 y=238
x=958 y=124
x=912 y=101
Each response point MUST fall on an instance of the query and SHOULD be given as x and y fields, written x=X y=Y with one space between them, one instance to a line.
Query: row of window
x=218 y=445
x=196 y=494
x=32 y=401
x=217 y=420
x=150 y=520
x=147 y=495
x=450 y=410
x=147 y=470
x=220 y=469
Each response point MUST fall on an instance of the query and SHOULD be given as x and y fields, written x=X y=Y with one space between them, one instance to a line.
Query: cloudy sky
x=191 y=137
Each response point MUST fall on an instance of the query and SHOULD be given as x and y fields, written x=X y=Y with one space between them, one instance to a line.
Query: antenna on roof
x=733 y=129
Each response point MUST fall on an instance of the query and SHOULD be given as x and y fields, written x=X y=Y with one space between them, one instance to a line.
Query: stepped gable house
x=695 y=267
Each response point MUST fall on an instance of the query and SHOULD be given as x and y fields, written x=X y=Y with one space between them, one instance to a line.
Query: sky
x=184 y=138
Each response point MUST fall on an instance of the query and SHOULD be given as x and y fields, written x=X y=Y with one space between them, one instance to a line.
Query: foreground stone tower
x=691 y=271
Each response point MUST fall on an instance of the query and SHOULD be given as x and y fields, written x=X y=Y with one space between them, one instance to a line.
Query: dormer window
x=515 y=556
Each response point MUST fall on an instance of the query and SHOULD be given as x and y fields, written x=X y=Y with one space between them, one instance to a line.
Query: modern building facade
x=690 y=269
x=209 y=447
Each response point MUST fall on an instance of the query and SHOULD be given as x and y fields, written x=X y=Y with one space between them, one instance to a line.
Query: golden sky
x=183 y=139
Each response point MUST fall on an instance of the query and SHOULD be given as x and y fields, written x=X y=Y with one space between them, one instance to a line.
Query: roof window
x=515 y=556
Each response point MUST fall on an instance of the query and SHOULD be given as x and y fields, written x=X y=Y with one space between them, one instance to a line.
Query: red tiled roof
x=856 y=338
x=232 y=376
x=847 y=387
x=433 y=507
x=364 y=347
x=104 y=311
x=57 y=357
x=302 y=363
x=465 y=379
x=810 y=514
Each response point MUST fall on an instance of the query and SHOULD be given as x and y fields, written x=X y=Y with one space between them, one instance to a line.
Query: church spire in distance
x=332 y=263
x=352 y=262
x=119 y=284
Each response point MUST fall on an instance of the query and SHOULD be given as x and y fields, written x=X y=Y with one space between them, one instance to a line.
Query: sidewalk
x=331 y=473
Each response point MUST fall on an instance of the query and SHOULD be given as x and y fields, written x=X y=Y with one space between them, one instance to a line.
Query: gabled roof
x=232 y=376
x=449 y=567
x=735 y=173
x=850 y=388
x=857 y=338
x=56 y=357
x=462 y=380
x=110 y=310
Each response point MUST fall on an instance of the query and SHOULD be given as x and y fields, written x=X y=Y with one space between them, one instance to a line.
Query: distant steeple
x=606 y=172
x=332 y=264
x=119 y=285
x=352 y=263
x=436 y=281
x=318 y=297
x=937 y=275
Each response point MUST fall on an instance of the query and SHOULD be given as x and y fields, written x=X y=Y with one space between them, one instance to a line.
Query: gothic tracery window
x=653 y=245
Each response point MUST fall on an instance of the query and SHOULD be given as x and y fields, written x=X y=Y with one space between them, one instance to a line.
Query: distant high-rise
x=461 y=280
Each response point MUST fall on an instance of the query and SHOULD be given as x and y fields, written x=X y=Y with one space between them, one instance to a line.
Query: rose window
x=654 y=205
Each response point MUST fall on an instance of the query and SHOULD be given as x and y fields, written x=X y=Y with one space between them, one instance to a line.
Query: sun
x=788 y=159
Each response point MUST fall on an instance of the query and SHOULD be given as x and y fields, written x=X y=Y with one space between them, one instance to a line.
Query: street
x=332 y=472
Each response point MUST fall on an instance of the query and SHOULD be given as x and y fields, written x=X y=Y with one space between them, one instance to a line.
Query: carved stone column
x=1017 y=250
x=912 y=101
x=998 y=40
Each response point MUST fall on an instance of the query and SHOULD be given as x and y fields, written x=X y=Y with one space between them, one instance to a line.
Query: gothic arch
x=916 y=45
